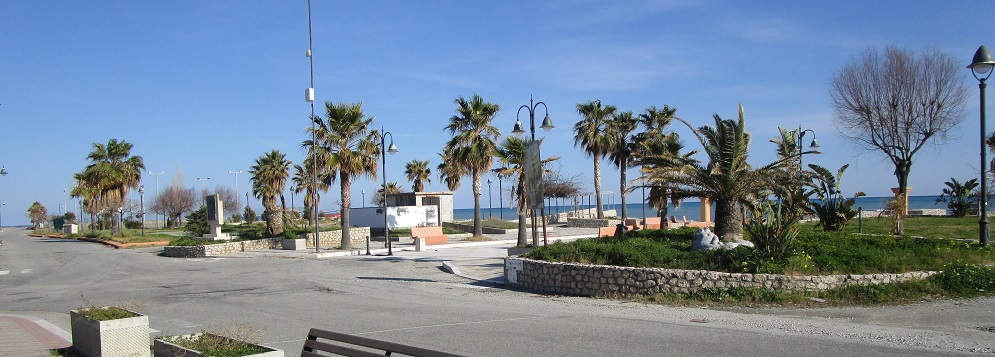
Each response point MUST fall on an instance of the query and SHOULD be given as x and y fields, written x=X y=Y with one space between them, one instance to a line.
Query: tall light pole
x=156 y=174
x=547 y=125
x=814 y=145
x=141 y=192
x=247 y=206
x=982 y=69
x=500 y=199
x=202 y=190
x=65 y=202
x=309 y=97
x=1 y=215
x=236 y=186
x=363 y=192
x=3 y=172
x=490 y=207
x=383 y=156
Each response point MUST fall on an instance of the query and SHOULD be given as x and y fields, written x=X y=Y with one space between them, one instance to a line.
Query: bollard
x=860 y=219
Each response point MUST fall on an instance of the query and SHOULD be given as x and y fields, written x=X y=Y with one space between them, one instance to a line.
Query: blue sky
x=204 y=87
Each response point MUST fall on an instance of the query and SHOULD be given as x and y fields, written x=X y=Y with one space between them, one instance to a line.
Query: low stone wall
x=201 y=251
x=614 y=281
x=591 y=222
x=469 y=228
x=333 y=239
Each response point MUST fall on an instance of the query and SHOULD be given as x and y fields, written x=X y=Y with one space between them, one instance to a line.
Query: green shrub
x=197 y=222
x=966 y=279
x=834 y=210
x=959 y=197
x=772 y=232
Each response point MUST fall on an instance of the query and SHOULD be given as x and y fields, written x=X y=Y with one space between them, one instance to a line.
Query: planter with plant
x=109 y=331
x=239 y=341
x=292 y=241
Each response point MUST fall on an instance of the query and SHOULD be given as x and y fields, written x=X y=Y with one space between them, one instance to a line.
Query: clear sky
x=204 y=87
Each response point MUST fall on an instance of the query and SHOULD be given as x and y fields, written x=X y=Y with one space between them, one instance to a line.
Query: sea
x=688 y=209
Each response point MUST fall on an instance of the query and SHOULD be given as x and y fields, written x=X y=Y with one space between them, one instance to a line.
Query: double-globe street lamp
x=982 y=69
x=384 y=149
x=547 y=125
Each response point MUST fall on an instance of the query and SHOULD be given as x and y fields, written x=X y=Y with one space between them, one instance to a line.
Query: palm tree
x=727 y=179
x=511 y=154
x=112 y=172
x=349 y=146
x=589 y=135
x=392 y=189
x=619 y=130
x=269 y=178
x=87 y=188
x=418 y=172
x=471 y=150
x=655 y=141
x=450 y=173
x=303 y=182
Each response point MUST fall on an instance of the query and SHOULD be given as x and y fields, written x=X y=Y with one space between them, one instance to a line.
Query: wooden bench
x=606 y=231
x=340 y=344
x=431 y=235
x=654 y=222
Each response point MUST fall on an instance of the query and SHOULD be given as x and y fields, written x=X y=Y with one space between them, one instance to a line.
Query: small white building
x=443 y=200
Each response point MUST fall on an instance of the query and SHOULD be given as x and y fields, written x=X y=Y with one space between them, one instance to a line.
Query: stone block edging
x=200 y=251
x=591 y=222
x=615 y=281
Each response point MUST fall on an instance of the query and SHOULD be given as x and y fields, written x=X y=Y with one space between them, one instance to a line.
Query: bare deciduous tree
x=174 y=201
x=896 y=101
x=230 y=199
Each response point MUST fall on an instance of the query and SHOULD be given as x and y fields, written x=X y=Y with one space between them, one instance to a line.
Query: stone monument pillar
x=215 y=218
x=706 y=209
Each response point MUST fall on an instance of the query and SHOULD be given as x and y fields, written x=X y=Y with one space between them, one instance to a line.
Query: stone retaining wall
x=591 y=222
x=200 y=251
x=333 y=239
x=614 y=281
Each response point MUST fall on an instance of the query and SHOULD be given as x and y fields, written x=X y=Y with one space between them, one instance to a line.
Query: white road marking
x=4 y=272
x=25 y=271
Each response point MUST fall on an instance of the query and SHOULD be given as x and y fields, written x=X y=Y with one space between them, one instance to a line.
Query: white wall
x=397 y=217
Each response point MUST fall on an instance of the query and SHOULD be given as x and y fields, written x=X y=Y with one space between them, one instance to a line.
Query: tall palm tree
x=88 y=188
x=303 y=182
x=589 y=134
x=418 y=172
x=511 y=154
x=349 y=146
x=450 y=173
x=655 y=140
x=113 y=171
x=620 y=147
x=269 y=179
x=392 y=189
x=471 y=150
x=727 y=179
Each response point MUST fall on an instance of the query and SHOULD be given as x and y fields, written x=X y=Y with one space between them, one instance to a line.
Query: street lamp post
x=814 y=145
x=547 y=125
x=363 y=192
x=982 y=69
x=1 y=215
x=309 y=97
x=247 y=206
x=500 y=199
x=384 y=149
x=236 y=187
x=141 y=192
x=202 y=190
x=156 y=174
x=3 y=172
x=490 y=207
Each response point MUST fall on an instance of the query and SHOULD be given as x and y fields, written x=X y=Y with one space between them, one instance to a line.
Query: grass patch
x=208 y=344
x=925 y=226
x=815 y=253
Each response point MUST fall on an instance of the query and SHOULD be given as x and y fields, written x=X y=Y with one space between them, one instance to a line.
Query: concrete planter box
x=295 y=244
x=122 y=337
x=167 y=349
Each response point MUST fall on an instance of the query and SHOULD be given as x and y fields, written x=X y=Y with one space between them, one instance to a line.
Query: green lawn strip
x=925 y=226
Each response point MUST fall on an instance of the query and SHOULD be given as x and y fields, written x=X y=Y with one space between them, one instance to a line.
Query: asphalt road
x=410 y=299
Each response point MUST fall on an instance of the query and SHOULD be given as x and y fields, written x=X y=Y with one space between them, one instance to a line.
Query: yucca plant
x=772 y=231
x=833 y=209
x=960 y=197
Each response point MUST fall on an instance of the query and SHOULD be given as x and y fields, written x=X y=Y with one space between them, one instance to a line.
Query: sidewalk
x=25 y=335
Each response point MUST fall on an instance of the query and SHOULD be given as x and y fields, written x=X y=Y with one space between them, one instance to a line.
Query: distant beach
x=690 y=209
